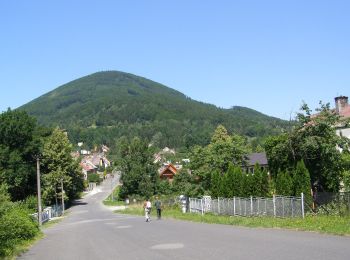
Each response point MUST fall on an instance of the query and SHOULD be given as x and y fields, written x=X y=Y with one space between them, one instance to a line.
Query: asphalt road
x=91 y=231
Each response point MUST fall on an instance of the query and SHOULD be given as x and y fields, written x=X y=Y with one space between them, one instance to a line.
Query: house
x=253 y=159
x=168 y=172
x=342 y=108
x=161 y=156
x=87 y=167
x=98 y=159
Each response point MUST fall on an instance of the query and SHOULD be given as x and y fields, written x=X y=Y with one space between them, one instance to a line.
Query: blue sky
x=266 y=55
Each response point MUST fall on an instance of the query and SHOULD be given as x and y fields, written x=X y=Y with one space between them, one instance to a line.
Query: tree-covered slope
x=106 y=105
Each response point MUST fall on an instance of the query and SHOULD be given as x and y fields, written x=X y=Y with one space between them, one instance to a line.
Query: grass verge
x=323 y=224
x=115 y=202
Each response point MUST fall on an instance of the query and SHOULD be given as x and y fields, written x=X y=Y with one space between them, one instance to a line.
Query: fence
x=278 y=206
x=49 y=213
x=332 y=203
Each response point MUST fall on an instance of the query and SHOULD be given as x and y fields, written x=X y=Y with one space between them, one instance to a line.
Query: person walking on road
x=147 y=206
x=158 y=206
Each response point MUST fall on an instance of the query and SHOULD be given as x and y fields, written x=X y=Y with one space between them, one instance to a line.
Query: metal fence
x=278 y=206
x=49 y=213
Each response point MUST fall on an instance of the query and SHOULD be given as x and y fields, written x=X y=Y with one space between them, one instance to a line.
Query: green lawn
x=322 y=224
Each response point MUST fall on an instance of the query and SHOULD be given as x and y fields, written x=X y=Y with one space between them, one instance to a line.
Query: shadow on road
x=78 y=202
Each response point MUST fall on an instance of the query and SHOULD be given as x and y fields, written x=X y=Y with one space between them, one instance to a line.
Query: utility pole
x=62 y=193
x=112 y=176
x=39 y=189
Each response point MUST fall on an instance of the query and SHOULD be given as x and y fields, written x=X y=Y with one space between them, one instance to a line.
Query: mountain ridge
x=111 y=99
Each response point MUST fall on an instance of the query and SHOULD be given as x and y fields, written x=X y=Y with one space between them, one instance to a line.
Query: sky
x=266 y=55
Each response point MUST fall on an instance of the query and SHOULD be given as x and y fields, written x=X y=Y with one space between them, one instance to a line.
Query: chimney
x=341 y=102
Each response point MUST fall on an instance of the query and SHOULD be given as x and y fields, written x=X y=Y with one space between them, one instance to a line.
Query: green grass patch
x=113 y=203
x=323 y=224
x=115 y=199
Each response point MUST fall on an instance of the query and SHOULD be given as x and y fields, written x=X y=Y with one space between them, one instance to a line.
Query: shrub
x=93 y=177
x=16 y=226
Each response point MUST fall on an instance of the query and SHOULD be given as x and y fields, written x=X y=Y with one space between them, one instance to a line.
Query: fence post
x=218 y=206
x=302 y=205
x=234 y=206
x=274 y=205
x=283 y=206
x=251 y=205
x=202 y=207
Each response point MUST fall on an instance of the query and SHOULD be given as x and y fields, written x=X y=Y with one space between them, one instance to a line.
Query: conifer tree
x=215 y=184
x=230 y=179
x=284 y=184
x=265 y=184
x=256 y=181
x=302 y=181
x=238 y=182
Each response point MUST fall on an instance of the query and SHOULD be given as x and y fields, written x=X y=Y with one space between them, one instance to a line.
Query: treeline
x=238 y=183
x=307 y=157
x=217 y=169
x=22 y=141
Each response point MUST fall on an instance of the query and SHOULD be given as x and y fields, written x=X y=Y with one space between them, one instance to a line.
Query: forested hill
x=106 y=105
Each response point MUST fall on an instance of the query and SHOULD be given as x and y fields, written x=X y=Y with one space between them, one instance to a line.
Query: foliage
x=216 y=184
x=94 y=177
x=164 y=187
x=59 y=166
x=139 y=175
x=104 y=106
x=240 y=184
x=16 y=224
x=217 y=156
x=302 y=181
x=334 y=209
x=314 y=141
x=346 y=171
x=185 y=184
x=19 y=143
x=284 y=184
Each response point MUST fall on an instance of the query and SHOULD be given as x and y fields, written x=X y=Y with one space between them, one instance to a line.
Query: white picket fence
x=277 y=206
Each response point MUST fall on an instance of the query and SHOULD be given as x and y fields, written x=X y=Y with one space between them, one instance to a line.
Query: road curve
x=91 y=231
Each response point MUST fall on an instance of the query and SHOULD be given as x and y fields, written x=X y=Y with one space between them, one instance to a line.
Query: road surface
x=91 y=231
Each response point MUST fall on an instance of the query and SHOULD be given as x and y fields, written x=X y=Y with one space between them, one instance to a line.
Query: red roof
x=168 y=171
x=87 y=166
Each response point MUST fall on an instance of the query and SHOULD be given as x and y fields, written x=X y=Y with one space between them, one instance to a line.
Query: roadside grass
x=322 y=224
x=116 y=200
x=113 y=203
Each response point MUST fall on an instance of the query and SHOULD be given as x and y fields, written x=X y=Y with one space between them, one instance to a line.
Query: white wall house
x=342 y=108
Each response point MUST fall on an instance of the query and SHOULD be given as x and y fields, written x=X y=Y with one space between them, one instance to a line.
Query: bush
x=31 y=203
x=16 y=226
x=93 y=177
x=334 y=209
